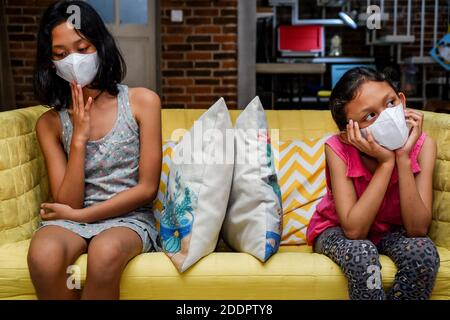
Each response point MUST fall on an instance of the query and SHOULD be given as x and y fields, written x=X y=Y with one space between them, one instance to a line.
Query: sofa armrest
x=23 y=177
x=437 y=125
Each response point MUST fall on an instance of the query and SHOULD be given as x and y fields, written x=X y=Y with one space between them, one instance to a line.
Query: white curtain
x=7 y=97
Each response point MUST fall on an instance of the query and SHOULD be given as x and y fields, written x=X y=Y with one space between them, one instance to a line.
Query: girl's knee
x=430 y=254
x=420 y=248
x=360 y=257
x=362 y=268
x=39 y=262
x=104 y=258
x=420 y=258
x=363 y=250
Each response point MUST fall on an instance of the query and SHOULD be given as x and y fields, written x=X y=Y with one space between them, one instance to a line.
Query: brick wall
x=199 y=56
x=22 y=19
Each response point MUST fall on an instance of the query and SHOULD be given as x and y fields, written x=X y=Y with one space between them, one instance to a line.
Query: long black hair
x=347 y=88
x=54 y=91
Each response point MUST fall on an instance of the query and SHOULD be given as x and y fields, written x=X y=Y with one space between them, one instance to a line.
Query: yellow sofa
x=293 y=273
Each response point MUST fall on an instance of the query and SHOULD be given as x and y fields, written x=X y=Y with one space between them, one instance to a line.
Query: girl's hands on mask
x=81 y=114
x=369 y=146
x=415 y=121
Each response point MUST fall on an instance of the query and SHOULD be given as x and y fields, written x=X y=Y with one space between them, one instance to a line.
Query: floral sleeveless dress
x=111 y=167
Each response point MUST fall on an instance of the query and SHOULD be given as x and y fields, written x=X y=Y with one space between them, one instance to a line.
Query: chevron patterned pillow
x=158 y=203
x=300 y=166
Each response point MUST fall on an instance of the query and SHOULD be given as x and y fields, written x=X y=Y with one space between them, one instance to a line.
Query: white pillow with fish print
x=198 y=188
x=253 y=223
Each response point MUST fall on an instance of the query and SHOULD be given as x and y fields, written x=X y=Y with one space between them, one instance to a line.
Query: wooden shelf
x=264 y=12
x=344 y=60
x=415 y=99
x=291 y=68
x=327 y=59
x=420 y=60
x=392 y=39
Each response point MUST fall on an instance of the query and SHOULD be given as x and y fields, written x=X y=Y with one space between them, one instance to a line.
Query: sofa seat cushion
x=292 y=273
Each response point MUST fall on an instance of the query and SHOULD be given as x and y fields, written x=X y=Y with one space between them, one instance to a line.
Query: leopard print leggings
x=417 y=261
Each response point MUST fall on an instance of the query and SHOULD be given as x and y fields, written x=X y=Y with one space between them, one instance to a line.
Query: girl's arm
x=357 y=215
x=66 y=175
x=416 y=194
x=147 y=109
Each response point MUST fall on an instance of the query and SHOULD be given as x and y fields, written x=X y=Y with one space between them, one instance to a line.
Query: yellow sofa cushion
x=293 y=273
x=23 y=176
x=437 y=125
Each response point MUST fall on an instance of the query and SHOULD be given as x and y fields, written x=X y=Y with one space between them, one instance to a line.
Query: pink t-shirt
x=389 y=213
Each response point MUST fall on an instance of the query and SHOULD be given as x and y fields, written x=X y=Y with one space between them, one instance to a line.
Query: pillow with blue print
x=253 y=223
x=197 y=189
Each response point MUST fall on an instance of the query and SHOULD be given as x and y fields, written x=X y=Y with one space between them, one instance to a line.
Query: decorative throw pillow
x=253 y=220
x=198 y=188
x=301 y=175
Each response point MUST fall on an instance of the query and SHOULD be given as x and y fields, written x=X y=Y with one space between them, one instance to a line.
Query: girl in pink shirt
x=379 y=190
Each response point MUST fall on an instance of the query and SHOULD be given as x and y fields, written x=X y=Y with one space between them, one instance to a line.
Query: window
x=105 y=8
x=133 y=11
x=130 y=11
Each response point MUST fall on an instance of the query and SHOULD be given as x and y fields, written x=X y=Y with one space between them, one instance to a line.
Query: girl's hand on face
x=81 y=114
x=415 y=120
x=369 y=146
x=58 y=211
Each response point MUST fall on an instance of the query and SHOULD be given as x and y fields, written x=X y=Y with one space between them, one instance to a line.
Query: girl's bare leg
x=51 y=251
x=108 y=254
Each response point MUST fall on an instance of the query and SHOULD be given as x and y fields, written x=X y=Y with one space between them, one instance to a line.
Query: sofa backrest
x=24 y=183
x=296 y=124
x=437 y=125
x=23 y=177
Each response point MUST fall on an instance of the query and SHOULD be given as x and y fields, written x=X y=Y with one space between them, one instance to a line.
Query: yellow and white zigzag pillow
x=300 y=168
x=158 y=203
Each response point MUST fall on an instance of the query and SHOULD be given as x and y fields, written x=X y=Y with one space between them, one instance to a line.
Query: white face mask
x=78 y=67
x=444 y=53
x=390 y=129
